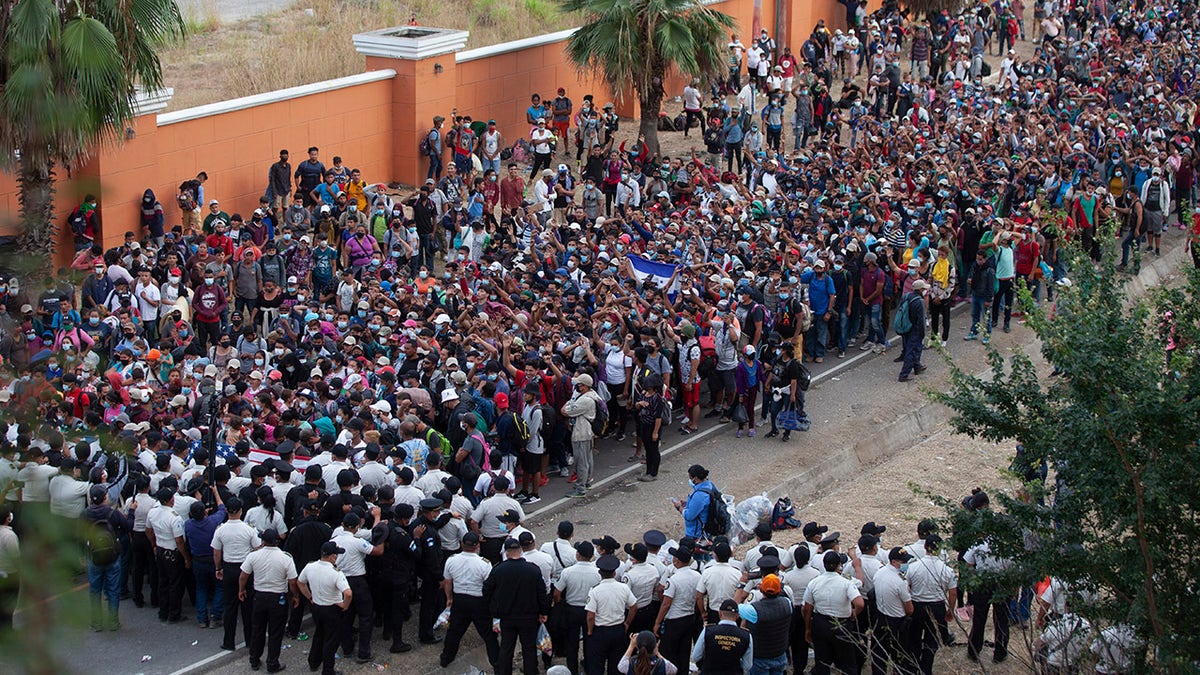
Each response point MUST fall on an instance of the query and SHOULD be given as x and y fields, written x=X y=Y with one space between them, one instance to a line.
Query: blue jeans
x=912 y=352
x=104 y=579
x=493 y=164
x=774 y=666
x=875 y=328
x=979 y=313
x=435 y=166
x=818 y=335
x=843 y=319
x=207 y=586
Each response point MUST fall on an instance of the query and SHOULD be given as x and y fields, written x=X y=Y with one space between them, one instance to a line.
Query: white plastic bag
x=443 y=619
x=748 y=513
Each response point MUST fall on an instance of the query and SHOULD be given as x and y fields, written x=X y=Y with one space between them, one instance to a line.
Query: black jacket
x=515 y=590
x=305 y=539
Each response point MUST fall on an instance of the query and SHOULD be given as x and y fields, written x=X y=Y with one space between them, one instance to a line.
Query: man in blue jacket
x=695 y=508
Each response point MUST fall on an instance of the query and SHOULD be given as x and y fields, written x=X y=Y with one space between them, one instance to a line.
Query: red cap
x=501 y=400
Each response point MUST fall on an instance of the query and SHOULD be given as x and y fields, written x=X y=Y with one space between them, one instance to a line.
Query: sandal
x=633 y=458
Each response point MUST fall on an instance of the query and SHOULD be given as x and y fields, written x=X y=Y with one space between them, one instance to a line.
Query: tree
x=69 y=73
x=1118 y=428
x=633 y=44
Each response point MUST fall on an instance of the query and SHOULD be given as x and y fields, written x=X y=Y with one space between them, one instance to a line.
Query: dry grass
x=291 y=48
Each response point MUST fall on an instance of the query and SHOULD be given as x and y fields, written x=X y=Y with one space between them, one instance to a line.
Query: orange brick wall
x=375 y=126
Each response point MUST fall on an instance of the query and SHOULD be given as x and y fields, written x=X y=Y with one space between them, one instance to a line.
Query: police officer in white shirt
x=796 y=580
x=677 y=615
x=934 y=589
x=143 y=564
x=831 y=602
x=274 y=574
x=68 y=495
x=451 y=533
x=762 y=533
x=164 y=528
x=881 y=553
x=232 y=542
x=561 y=551
x=610 y=608
x=529 y=552
x=406 y=492
x=864 y=564
x=893 y=603
x=485 y=522
x=718 y=581
x=375 y=471
x=431 y=481
x=571 y=590
x=354 y=563
x=985 y=596
x=327 y=589
x=642 y=578
x=462 y=581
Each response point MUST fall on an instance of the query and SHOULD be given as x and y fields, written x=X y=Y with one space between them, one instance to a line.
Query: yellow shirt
x=355 y=191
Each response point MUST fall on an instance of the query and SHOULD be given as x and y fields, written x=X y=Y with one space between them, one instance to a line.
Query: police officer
x=274 y=575
x=354 y=563
x=304 y=542
x=610 y=609
x=893 y=604
x=561 y=550
x=830 y=604
x=398 y=566
x=770 y=621
x=429 y=566
x=677 y=616
x=485 y=519
x=164 y=528
x=717 y=582
x=462 y=583
x=797 y=580
x=642 y=578
x=326 y=587
x=725 y=648
x=934 y=591
x=571 y=592
x=516 y=595
x=232 y=541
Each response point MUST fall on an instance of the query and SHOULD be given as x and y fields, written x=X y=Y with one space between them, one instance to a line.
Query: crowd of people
x=344 y=403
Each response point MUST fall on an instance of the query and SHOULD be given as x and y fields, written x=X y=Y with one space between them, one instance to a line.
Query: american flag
x=256 y=456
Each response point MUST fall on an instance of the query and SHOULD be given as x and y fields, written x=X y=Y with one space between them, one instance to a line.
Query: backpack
x=186 y=198
x=708 y=355
x=425 y=148
x=549 y=420
x=78 y=222
x=717 y=523
x=444 y=444
x=902 y=322
x=600 y=419
x=520 y=431
x=101 y=543
x=783 y=515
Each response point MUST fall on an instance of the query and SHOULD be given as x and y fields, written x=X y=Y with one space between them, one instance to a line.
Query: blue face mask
x=607 y=325
x=186 y=391
x=903 y=568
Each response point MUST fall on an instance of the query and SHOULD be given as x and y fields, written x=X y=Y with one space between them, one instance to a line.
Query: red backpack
x=708 y=355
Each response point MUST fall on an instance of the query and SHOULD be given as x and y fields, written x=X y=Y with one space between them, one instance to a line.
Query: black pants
x=891 y=646
x=645 y=616
x=467 y=611
x=268 y=619
x=676 y=642
x=207 y=333
x=833 y=644
x=540 y=161
x=10 y=588
x=690 y=115
x=144 y=566
x=798 y=642
x=492 y=549
x=296 y=616
x=923 y=638
x=432 y=602
x=399 y=610
x=1003 y=293
x=981 y=601
x=512 y=630
x=362 y=610
x=733 y=153
x=650 y=445
x=939 y=314
x=231 y=572
x=170 y=584
x=606 y=644
x=326 y=637
x=576 y=622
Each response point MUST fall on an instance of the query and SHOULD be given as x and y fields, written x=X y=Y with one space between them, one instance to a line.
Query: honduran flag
x=656 y=273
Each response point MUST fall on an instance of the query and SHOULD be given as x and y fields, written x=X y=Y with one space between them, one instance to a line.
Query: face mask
x=99 y=272
x=209 y=282
x=362 y=313
x=287 y=237
x=912 y=273
x=329 y=316
x=837 y=267
x=342 y=325
x=323 y=244
x=173 y=279
x=903 y=568
x=182 y=333
x=492 y=298
x=504 y=527
x=258 y=362
x=186 y=391
x=300 y=298
x=375 y=328
x=94 y=320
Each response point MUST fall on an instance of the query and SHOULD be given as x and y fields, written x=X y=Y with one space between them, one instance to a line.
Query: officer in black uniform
x=429 y=567
x=304 y=543
x=724 y=648
x=398 y=566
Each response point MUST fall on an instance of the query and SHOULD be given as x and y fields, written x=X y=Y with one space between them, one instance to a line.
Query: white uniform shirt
x=450 y=535
x=144 y=503
x=431 y=482
x=577 y=581
x=870 y=565
x=562 y=553
x=234 y=539
x=930 y=579
x=544 y=562
x=409 y=494
x=354 y=561
x=797 y=579
x=718 y=582
x=610 y=600
x=642 y=579
x=10 y=551
x=262 y=519
x=750 y=560
x=36 y=479
x=1115 y=648
x=1066 y=639
x=485 y=514
x=166 y=525
x=68 y=497
x=271 y=569
x=467 y=571
x=832 y=595
x=681 y=588
x=376 y=475
x=325 y=582
x=891 y=592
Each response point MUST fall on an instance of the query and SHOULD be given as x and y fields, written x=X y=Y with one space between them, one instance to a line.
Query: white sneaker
x=565 y=473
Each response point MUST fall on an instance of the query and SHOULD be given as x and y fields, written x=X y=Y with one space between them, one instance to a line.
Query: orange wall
x=375 y=126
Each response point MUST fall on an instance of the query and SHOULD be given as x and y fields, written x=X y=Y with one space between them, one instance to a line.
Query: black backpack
x=549 y=420
x=101 y=543
x=78 y=222
x=717 y=523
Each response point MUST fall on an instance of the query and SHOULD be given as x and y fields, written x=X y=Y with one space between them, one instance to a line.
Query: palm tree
x=633 y=43
x=69 y=72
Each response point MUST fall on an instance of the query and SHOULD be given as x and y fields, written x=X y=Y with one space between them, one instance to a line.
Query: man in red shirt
x=1027 y=256
x=512 y=191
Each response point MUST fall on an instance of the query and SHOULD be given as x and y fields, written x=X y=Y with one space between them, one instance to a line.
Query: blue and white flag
x=656 y=273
